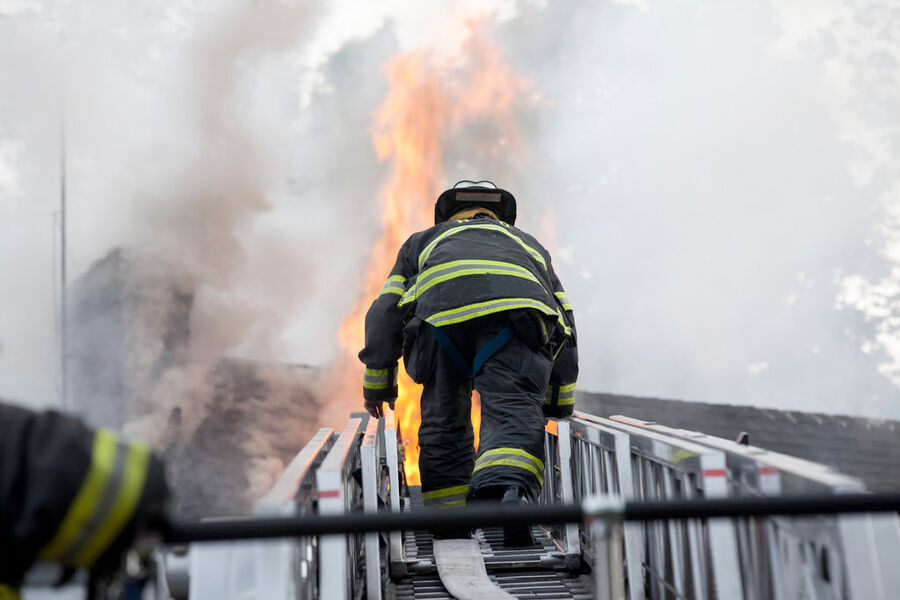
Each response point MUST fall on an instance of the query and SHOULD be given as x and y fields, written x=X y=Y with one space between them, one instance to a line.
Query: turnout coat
x=69 y=494
x=458 y=271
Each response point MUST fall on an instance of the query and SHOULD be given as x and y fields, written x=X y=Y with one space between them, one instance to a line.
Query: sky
x=718 y=182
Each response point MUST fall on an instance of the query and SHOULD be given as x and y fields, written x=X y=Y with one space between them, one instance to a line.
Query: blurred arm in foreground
x=70 y=495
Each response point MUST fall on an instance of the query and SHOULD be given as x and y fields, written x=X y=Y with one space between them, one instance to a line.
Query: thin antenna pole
x=54 y=283
x=63 y=332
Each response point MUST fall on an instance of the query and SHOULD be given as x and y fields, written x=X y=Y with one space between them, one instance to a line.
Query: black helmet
x=467 y=193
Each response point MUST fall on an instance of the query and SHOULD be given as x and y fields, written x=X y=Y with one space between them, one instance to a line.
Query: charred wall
x=225 y=426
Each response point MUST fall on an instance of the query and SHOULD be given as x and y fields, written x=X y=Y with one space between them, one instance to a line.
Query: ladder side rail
x=552 y=492
x=661 y=453
x=656 y=548
x=727 y=574
x=396 y=551
x=338 y=565
x=369 y=462
x=853 y=546
x=564 y=441
x=673 y=528
x=696 y=537
x=296 y=484
x=279 y=569
x=295 y=492
x=872 y=545
x=551 y=465
x=606 y=468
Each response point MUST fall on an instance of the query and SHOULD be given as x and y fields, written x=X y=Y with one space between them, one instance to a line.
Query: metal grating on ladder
x=528 y=584
x=523 y=572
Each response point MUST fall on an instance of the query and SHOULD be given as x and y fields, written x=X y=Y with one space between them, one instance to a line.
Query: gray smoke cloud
x=721 y=178
x=724 y=178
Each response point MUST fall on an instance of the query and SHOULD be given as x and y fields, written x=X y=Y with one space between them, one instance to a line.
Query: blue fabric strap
x=450 y=349
x=485 y=353
x=490 y=348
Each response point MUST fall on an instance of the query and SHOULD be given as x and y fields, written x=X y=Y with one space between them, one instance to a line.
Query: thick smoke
x=177 y=125
x=721 y=179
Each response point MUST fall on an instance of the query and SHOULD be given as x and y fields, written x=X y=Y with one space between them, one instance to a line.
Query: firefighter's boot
x=516 y=536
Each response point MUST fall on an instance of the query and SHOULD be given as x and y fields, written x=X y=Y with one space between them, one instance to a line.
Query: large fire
x=427 y=101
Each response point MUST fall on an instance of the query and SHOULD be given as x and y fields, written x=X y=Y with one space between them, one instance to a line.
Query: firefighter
x=474 y=302
x=70 y=495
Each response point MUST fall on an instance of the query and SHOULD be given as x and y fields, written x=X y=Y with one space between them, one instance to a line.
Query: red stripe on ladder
x=715 y=472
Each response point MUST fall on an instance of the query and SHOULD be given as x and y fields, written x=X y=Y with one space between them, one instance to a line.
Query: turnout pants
x=512 y=383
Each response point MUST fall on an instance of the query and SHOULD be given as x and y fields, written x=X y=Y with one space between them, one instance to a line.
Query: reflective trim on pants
x=446 y=497
x=511 y=457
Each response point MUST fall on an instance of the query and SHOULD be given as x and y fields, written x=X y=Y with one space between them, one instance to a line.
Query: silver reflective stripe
x=566 y=395
x=563 y=300
x=393 y=285
x=101 y=509
x=511 y=457
x=379 y=379
x=458 y=315
x=426 y=252
x=562 y=323
x=458 y=268
x=488 y=458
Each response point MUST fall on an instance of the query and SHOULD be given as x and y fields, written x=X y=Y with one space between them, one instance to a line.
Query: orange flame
x=426 y=102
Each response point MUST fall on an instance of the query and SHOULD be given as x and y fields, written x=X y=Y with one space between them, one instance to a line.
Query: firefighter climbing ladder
x=604 y=460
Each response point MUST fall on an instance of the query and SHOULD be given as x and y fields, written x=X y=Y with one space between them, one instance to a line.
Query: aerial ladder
x=602 y=464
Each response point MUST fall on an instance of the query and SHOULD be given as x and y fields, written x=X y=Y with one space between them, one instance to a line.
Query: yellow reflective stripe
x=85 y=503
x=511 y=457
x=122 y=510
x=8 y=593
x=511 y=462
x=566 y=395
x=446 y=497
x=393 y=285
x=426 y=252
x=480 y=309
x=379 y=379
x=460 y=268
x=558 y=350
x=514 y=451
x=562 y=323
x=445 y=492
x=563 y=300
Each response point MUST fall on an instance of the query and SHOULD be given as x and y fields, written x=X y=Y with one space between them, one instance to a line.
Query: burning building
x=225 y=426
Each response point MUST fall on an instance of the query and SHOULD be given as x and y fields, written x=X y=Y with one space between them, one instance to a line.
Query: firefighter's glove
x=376 y=407
x=379 y=386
